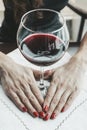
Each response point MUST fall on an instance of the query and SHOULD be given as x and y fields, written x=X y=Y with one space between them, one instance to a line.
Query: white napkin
x=11 y=118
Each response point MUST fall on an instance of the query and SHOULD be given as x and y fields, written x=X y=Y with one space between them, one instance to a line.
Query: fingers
x=34 y=86
x=36 y=102
x=49 y=96
x=28 y=104
x=35 y=90
x=31 y=97
x=21 y=88
x=59 y=99
x=13 y=96
x=54 y=102
x=27 y=96
x=70 y=100
x=61 y=104
x=21 y=94
x=34 y=96
x=22 y=102
x=23 y=97
x=62 y=107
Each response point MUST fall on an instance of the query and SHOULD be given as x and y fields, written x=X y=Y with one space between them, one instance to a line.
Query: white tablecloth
x=13 y=119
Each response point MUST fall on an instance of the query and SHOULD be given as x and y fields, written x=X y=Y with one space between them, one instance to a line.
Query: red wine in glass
x=42 y=49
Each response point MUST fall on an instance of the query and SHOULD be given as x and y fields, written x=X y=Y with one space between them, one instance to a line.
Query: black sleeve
x=57 y=5
x=9 y=27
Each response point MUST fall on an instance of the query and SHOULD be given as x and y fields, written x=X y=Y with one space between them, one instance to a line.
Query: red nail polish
x=46 y=117
x=62 y=109
x=36 y=114
x=45 y=108
x=53 y=116
x=41 y=114
x=24 y=109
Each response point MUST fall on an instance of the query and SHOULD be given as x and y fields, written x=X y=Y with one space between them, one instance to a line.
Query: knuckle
x=19 y=105
x=77 y=89
x=24 y=99
x=55 y=79
x=36 y=92
x=49 y=95
x=58 y=110
x=15 y=98
x=8 y=90
x=70 y=98
x=59 y=107
x=55 y=101
x=62 y=101
x=31 y=98
x=30 y=80
x=17 y=90
x=17 y=82
x=70 y=88
x=61 y=83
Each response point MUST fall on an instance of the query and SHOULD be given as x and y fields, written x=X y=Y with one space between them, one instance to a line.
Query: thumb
x=47 y=73
x=36 y=73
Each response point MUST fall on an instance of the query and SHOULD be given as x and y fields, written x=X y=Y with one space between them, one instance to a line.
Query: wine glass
x=42 y=38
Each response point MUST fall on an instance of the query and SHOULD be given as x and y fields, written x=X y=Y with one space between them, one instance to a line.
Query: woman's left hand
x=65 y=86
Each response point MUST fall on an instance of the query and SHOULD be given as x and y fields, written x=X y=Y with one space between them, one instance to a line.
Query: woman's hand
x=65 y=86
x=20 y=86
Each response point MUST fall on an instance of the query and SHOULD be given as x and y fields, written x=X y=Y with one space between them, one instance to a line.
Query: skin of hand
x=66 y=83
x=20 y=86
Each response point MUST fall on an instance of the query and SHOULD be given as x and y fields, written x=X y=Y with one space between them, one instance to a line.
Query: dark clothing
x=9 y=27
x=55 y=4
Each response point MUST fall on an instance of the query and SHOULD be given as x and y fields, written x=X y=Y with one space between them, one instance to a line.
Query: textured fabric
x=9 y=27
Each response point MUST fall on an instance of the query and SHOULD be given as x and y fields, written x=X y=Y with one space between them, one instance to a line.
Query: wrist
x=80 y=60
x=5 y=61
x=2 y=56
x=2 y=62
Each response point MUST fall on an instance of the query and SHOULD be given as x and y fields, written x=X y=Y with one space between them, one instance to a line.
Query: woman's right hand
x=20 y=86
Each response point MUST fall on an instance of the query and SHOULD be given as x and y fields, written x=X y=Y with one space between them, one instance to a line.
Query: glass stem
x=42 y=78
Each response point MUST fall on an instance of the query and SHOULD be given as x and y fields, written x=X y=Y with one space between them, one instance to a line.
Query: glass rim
x=44 y=9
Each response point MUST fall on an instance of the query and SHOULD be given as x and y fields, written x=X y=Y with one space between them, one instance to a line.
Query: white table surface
x=13 y=119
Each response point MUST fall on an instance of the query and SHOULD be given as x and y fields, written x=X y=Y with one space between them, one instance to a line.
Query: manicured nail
x=63 y=109
x=41 y=114
x=36 y=114
x=24 y=109
x=53 y=116
x=45 y=108
x=46 y=117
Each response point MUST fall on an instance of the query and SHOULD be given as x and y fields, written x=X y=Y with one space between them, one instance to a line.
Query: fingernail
x=41 y=114
x=36 y=114
x=45 y=108
x=62 y=109
x=53 y=116
x=24 y=109
x=46 y=117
